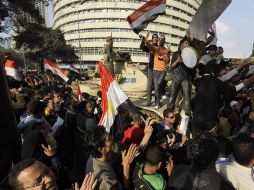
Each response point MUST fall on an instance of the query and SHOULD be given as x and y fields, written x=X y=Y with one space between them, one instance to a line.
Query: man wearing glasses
x=32 y=175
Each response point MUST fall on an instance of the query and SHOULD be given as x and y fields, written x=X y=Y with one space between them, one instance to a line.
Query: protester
x=32 y=174
x=146 y=175
x=64 y=148
x=134 y=134
x=161 y=60
x=240 y=172
x=203 y=151
x=150 y=65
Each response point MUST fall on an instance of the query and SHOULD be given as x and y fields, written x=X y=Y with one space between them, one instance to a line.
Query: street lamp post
x=80 y=51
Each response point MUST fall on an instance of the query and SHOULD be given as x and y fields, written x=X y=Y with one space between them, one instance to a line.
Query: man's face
x=213 y=52
x=37 y=177
x=220 y=51
x=108 y=144
x=90 y=108
x=184 y=45
x=50 y=105
x=155 y=39
x=170 y=118
x=57 y=99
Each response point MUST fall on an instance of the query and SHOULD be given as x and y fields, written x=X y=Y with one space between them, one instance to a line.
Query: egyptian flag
x=49 y=65
x=11 y=69
x=74 y=69
x=112 y=97
x=141 y=17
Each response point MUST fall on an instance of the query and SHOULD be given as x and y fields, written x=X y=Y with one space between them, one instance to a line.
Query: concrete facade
x=90 y=23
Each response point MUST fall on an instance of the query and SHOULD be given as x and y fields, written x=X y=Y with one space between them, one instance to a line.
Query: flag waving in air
x=74 y=69
x=11 y=68
x=49 y=65
x=147 y=13
x=112 y=97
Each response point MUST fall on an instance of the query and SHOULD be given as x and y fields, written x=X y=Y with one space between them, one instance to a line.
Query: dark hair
x=225 y=146
x=15 y=171
x=136 y=117
x=99 y=94
x=82 y=106
x=203 y=151
x=201 y=68
x=227 y=111
x=35 y=106
x=13 y=83
x=180 y=43
x=166 y=112
x=154 y=155
x=154 y=35
x=243 y=149
x=212 y=47
x=96 y=139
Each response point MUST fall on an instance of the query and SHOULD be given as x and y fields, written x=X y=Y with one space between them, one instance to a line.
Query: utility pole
x=80 y=51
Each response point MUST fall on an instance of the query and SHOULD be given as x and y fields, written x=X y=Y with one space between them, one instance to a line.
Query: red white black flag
x=147 y=13
x=49 y=65
x=74 y=69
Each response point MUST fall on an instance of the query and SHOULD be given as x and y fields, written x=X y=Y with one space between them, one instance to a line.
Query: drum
x=189 y=56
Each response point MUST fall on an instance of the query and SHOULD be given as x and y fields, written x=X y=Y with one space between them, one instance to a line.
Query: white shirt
x=239 y=176
x=205 y=59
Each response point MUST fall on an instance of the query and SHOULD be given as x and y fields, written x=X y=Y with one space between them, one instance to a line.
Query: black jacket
x=188 y=178
x=151 y=55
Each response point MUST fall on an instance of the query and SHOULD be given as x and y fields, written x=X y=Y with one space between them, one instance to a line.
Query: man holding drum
x=181 y=81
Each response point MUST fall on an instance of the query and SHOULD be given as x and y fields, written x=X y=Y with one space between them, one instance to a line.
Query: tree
x=44 y=42
x=14 y=13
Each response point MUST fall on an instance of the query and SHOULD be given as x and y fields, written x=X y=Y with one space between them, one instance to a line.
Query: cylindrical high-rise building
x=88 y=25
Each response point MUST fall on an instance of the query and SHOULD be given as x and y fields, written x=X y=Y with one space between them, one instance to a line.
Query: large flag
x=74 y=69
x=11 y=68
x=206 y=15
x=147 y=13
x=49 y=65
x=112 y=97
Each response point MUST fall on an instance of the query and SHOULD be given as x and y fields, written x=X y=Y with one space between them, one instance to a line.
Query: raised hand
x=147 y=34
x=89 y=182
x=170 y=166
x=131 y=154
x=48 y=150
x=148 y=130
x=171 y=140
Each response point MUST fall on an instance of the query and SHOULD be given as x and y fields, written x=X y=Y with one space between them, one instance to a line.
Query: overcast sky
x=235 y=28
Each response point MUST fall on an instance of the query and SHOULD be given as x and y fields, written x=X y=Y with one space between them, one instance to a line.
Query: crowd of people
x=209 y=146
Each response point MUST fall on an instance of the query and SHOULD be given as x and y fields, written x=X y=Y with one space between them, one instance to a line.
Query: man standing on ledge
x=161 y=61
x=150 y=65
